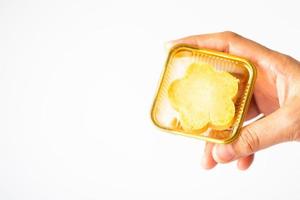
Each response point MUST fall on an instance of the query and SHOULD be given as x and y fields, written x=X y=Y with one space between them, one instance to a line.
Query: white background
x=77 y=80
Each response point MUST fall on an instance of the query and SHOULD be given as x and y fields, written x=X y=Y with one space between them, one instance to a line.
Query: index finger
x=228 y=42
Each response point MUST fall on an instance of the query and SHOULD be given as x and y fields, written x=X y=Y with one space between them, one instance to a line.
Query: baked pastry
x=204 y=98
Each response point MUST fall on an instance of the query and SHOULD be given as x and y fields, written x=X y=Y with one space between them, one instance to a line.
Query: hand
x=276 y=95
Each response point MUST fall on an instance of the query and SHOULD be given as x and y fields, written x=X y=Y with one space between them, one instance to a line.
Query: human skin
x=276 y=95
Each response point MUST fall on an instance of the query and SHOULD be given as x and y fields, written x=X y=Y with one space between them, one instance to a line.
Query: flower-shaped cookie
x=204 y=98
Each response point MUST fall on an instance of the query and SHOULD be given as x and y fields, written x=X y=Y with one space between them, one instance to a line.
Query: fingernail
x=204 y=162
x=168 y=45
x=223 y=153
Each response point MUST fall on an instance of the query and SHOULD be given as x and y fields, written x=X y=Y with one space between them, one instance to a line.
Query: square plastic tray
x=180 y=57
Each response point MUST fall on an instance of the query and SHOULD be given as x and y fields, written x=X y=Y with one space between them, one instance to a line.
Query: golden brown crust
x=204 y=98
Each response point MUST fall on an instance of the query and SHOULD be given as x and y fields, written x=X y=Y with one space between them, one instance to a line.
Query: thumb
x=277 y=127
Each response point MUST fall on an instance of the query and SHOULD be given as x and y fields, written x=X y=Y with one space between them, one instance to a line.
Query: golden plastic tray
x=180 y=57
